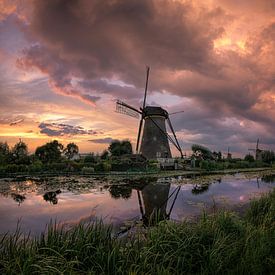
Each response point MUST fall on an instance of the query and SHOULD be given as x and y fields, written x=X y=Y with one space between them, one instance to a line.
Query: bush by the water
x=211 y=165
x=222 y=243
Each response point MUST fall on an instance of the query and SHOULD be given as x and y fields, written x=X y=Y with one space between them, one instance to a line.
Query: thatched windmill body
x=152 y=139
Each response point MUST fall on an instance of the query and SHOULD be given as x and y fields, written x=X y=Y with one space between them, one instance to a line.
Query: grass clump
x=222 y=243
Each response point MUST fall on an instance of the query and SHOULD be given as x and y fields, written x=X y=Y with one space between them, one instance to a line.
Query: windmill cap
x=155 y=111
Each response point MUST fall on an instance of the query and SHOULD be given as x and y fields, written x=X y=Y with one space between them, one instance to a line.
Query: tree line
x=54 y=156
x=49 y=152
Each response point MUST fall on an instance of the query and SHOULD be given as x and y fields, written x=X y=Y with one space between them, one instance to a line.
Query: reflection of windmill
x=257 y=151
x=155 y=139
x=155 y=198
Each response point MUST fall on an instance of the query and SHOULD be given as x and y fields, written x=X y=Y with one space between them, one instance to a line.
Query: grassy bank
x=222 y=243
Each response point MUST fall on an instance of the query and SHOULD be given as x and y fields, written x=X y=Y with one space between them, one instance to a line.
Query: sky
x=65 y=63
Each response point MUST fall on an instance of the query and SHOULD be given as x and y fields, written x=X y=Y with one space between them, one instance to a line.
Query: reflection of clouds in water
x=94 y=201
x=92 y=217
x=242 y=198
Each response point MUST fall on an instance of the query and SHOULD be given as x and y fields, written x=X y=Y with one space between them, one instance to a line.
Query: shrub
x=88 y=170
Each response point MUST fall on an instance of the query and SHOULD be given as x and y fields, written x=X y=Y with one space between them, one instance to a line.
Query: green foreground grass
x=220 y=243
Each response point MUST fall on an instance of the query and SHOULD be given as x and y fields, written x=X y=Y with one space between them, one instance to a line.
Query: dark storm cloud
x=207 y=127
x=102 y=86
x=59 y=129
x=83 y=44
x=102 y=140
x=94 y=39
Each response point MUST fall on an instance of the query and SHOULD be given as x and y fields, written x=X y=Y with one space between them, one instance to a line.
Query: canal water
x=33 y=203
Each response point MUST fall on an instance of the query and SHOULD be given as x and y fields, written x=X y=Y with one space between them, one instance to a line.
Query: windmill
x=257 y=151
x=152 y=127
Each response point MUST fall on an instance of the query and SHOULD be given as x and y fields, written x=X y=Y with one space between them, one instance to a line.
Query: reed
x=220 y=243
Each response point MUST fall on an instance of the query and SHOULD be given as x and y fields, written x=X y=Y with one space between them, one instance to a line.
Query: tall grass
x=223 y=243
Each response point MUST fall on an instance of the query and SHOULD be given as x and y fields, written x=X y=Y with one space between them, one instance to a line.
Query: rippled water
x=68 y=201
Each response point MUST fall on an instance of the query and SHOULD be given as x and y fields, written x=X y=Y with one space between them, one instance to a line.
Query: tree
x=201 y=152
x=19 y=153
x=249 y=158
x=50 y=152
x=71 y=150
x=90 y=158
x=268 y=156
x=104 y=155
x=4 y=152
x=119 y=148
x=217 y=155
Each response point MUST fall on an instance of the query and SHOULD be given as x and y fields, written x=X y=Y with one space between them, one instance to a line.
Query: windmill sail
x=146 y=87
x=126 y=109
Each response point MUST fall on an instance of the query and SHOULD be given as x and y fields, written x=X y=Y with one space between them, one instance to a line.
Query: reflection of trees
x=120 y=191
x=268 y=178
x=200 y=188
x=18 y=198
x=51 y=196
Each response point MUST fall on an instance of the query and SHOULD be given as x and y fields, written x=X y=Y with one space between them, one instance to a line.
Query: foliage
x=217 y=155
x=211 y=165
x=36 y=166
x=88 y=170
x=103 y=166
x=90 y=158
x=4 y=152
x=119 y=148
x=262 y=212
x=201 y=152
x=71 y=150
x=104 y=155
x=120 y=191
x=50 y=152
x=221 y=243
x=19 y=153
x=249 y=158
x=268 y=156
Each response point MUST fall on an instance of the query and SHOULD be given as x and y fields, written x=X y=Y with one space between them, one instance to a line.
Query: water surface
x=71 y=200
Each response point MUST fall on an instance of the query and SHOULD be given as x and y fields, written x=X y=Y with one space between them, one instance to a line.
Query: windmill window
x=158 y=154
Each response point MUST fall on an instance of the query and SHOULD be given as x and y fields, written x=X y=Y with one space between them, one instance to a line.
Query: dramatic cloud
x=59 y=71
x=56 y=130
x=115 y=39
x=214 y=57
